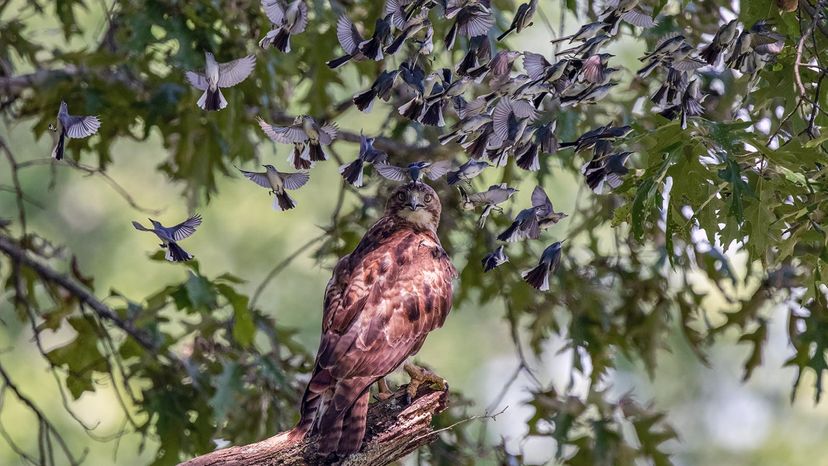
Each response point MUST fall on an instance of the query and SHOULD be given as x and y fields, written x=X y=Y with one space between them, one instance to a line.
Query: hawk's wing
x=382 y=301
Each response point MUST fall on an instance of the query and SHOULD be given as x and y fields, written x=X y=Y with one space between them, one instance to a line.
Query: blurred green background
x=719 y=419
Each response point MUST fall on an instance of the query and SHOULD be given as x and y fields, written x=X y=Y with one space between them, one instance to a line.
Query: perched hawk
x=380 y=304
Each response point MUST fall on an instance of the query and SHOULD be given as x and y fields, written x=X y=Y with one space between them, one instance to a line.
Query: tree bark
x=395 y=429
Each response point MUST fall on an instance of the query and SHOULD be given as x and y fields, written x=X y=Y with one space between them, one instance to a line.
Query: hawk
x=380 y=304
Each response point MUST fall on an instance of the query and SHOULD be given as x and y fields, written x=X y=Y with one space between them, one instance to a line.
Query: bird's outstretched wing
x=437 y=170
x=236 y=71
x=392 y=172
x=295 y=180
x=274 y=11
x=78 y=127
x=185 y=228
x=349 y=37
x=283 y=134
x=302 y=22
x=197 y=80
x=259 y=178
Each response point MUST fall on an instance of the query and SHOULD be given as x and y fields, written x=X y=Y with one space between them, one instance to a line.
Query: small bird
x=529 y=222
x=408 y=29
x=510 y=118
x=464 y=127
x=549 y=262
x=594 y=68
x=303 y=130
x=498 y=68
x=415 y=171
x=522 y=19
x=690 y=105
x=218 y=75
x=539 y=69
x=589 y=95
x=495 y=259
x=287 y=22
x=626 y=10
x=740 y=52
x=472 y=18
x=479 y=51
x=588 y=48
x=490 y=200
x=72 y=127
x=588 y=139
x=586 y=32
x=352 y=172
x=467 y=171
x=543 y=141
x=607 y=173
x=277 y=182
x=381 y=87
x=721 y=42
x=170 y=236
x=357 y=48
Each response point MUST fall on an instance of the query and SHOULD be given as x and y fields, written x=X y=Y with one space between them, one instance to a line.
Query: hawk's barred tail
x=57 y=152
x=320 y=382
x=176 y=254
x=283 y=202
x=342 y=425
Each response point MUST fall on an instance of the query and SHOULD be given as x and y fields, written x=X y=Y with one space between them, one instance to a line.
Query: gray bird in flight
x=495 y=259
x=170 y=236
x=277 y=182
x=287 y=21
x=415 y=171
x=218 y=75
x=304 y=130
x=538 y=276
x=353 y=171
x=72 y=127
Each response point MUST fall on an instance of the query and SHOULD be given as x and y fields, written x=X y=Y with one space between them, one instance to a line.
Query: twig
x=18 y=188
x=47 y=430
x=800 y=46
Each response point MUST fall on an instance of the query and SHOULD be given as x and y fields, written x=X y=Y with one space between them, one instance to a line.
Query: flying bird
x=277 y=182
x=529 y=222
x=472 y=18
x=304 y=130
x=72 y=127
x=170 y=236
x=287 y=21
x=415 y=171
x=495 y=259
x=721 y=42
x=523 y=19
x=467 y=171
x=357 y=48
x=219 y=75
x=550 y=259
x=607 y=172
x=490 y=200
x=381 y=87
x=352 y=172
x=380 y=304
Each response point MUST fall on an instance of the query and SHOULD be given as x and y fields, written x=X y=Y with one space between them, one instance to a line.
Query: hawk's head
x=416 y=203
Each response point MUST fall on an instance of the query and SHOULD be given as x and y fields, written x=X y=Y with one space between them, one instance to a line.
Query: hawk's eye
x=428 y=198
x=401 y=196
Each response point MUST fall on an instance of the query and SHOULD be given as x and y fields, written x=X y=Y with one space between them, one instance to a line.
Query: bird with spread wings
x=380 y=304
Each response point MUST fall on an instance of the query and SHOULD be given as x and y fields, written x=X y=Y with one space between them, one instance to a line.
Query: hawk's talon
x=383 y=392
x=420 y=376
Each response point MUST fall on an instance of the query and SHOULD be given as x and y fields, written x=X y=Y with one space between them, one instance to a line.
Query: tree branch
x=394 y=430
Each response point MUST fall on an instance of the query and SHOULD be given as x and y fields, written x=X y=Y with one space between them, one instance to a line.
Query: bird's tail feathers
x=337 y=62
x=282 y=201
x=364 y=101
x=342 y=425
x=57 y=152
x=212 y=100
x=282 y=40
x=352 y=172
x=176 y=254
x=412 y=109
x=316 y=153
x=538 y=277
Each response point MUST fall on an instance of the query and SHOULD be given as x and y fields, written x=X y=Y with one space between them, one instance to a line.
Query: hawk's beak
x=413 y=205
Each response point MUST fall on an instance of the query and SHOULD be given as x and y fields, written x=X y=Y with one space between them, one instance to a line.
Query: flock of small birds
x=514 y=118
